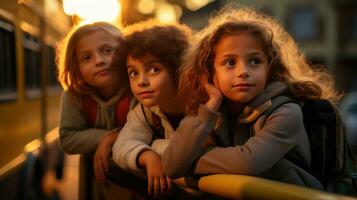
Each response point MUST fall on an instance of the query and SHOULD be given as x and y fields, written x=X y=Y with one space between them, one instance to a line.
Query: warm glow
x=32 y=146
x=93 y=10
x=146 y=6
x=178 y=11
x=69 y=6
x=166 y=14
x=194 y=5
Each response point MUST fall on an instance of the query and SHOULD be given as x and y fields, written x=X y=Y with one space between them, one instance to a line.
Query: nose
x=242 y=70
x=99 y=60
x=143 y=81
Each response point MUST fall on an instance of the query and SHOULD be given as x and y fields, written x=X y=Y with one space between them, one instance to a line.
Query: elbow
x=66 y=146
x=255 y=168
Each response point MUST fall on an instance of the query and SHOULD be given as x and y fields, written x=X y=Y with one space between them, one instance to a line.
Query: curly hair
x=67 y=63
x=165 y=42
x=286 y=62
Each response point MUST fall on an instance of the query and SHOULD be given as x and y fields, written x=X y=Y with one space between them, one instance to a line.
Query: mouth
x=243 y=86
x=102 y=72
x=146 y=94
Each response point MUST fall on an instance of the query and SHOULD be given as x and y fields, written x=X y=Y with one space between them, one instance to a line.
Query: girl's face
x=241 y=67
x=94 y=53
x=151 y=82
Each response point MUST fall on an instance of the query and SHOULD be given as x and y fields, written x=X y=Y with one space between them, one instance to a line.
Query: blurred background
x=32 y=165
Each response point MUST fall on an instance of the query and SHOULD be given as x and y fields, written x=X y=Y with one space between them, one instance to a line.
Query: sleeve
x=262 y=151
x=159 y=145
x=135 y=137
x=186 y=145
x=74 y=135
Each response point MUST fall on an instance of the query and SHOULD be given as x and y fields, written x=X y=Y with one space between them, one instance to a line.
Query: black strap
x=151 y=125
x=154 y=123
x=277 y=102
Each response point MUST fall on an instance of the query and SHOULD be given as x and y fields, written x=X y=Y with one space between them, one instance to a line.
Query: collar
x=113 y=100
x=262 y=102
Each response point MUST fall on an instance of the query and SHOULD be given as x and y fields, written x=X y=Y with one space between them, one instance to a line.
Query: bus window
x=32 y=65
x=7 y=62
x=54 y=86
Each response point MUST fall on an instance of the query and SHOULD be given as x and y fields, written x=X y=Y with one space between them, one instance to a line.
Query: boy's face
x=151 y=82
x=241 y=67
x=94 y=53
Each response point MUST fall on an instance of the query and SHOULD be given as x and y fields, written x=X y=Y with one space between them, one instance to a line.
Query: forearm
x=111 y=137
x=259 y=153
x=83 y=141
x=186 y=145
x=133 y=138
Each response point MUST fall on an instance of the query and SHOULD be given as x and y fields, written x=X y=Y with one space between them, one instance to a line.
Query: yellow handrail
x=248 y=187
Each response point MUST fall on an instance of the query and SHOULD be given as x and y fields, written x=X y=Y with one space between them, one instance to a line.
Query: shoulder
x=69 y=98
x=137 y=113
x=288 y=115
x=291 y=111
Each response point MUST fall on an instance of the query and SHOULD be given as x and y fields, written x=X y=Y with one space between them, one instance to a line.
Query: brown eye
x=154 y=70
x=108 y=50
x=229 y=63
x=132 y=74
x=255 y=61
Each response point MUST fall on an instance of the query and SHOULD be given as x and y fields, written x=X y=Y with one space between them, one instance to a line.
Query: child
x=94 y=104
x=237 y=64
x=153 y=55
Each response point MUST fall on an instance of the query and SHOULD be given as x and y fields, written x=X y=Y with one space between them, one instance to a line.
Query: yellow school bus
x=29 y=91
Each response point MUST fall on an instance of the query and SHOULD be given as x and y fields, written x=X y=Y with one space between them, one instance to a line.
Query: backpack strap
x=122 y=110
x=89 y=109
x=276 y=103
x=154 y=122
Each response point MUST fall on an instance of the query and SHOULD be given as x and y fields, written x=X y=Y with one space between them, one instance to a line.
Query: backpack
x=89 y=109
x=331 y=155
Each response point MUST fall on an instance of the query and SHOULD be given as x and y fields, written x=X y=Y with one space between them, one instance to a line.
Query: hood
x=262 y=102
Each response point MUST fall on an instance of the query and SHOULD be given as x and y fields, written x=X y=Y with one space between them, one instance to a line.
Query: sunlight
x=194 y=5
x=146 y=6
x=93 y=10
x=166 y=14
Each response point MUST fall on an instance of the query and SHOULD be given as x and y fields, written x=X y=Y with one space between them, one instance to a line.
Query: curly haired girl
x=236 y=65
x=153 y=56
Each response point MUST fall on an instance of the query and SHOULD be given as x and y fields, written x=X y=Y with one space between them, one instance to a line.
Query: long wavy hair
x=287 y=63
x=67 y=63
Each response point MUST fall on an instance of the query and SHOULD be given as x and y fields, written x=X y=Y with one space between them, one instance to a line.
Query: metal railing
x=248 y=187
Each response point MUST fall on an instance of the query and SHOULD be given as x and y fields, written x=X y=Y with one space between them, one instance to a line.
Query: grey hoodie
x=236 y=152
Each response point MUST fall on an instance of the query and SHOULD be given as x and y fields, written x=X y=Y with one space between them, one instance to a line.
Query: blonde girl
x=236 y=65
x=94 y=105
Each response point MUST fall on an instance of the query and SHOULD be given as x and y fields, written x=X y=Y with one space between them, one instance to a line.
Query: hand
x=214 y=94
x=209 y=142
x=158 y=183
x=102 y=153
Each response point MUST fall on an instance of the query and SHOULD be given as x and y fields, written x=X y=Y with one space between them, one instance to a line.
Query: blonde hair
x=68 y=67
x=287 y=63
